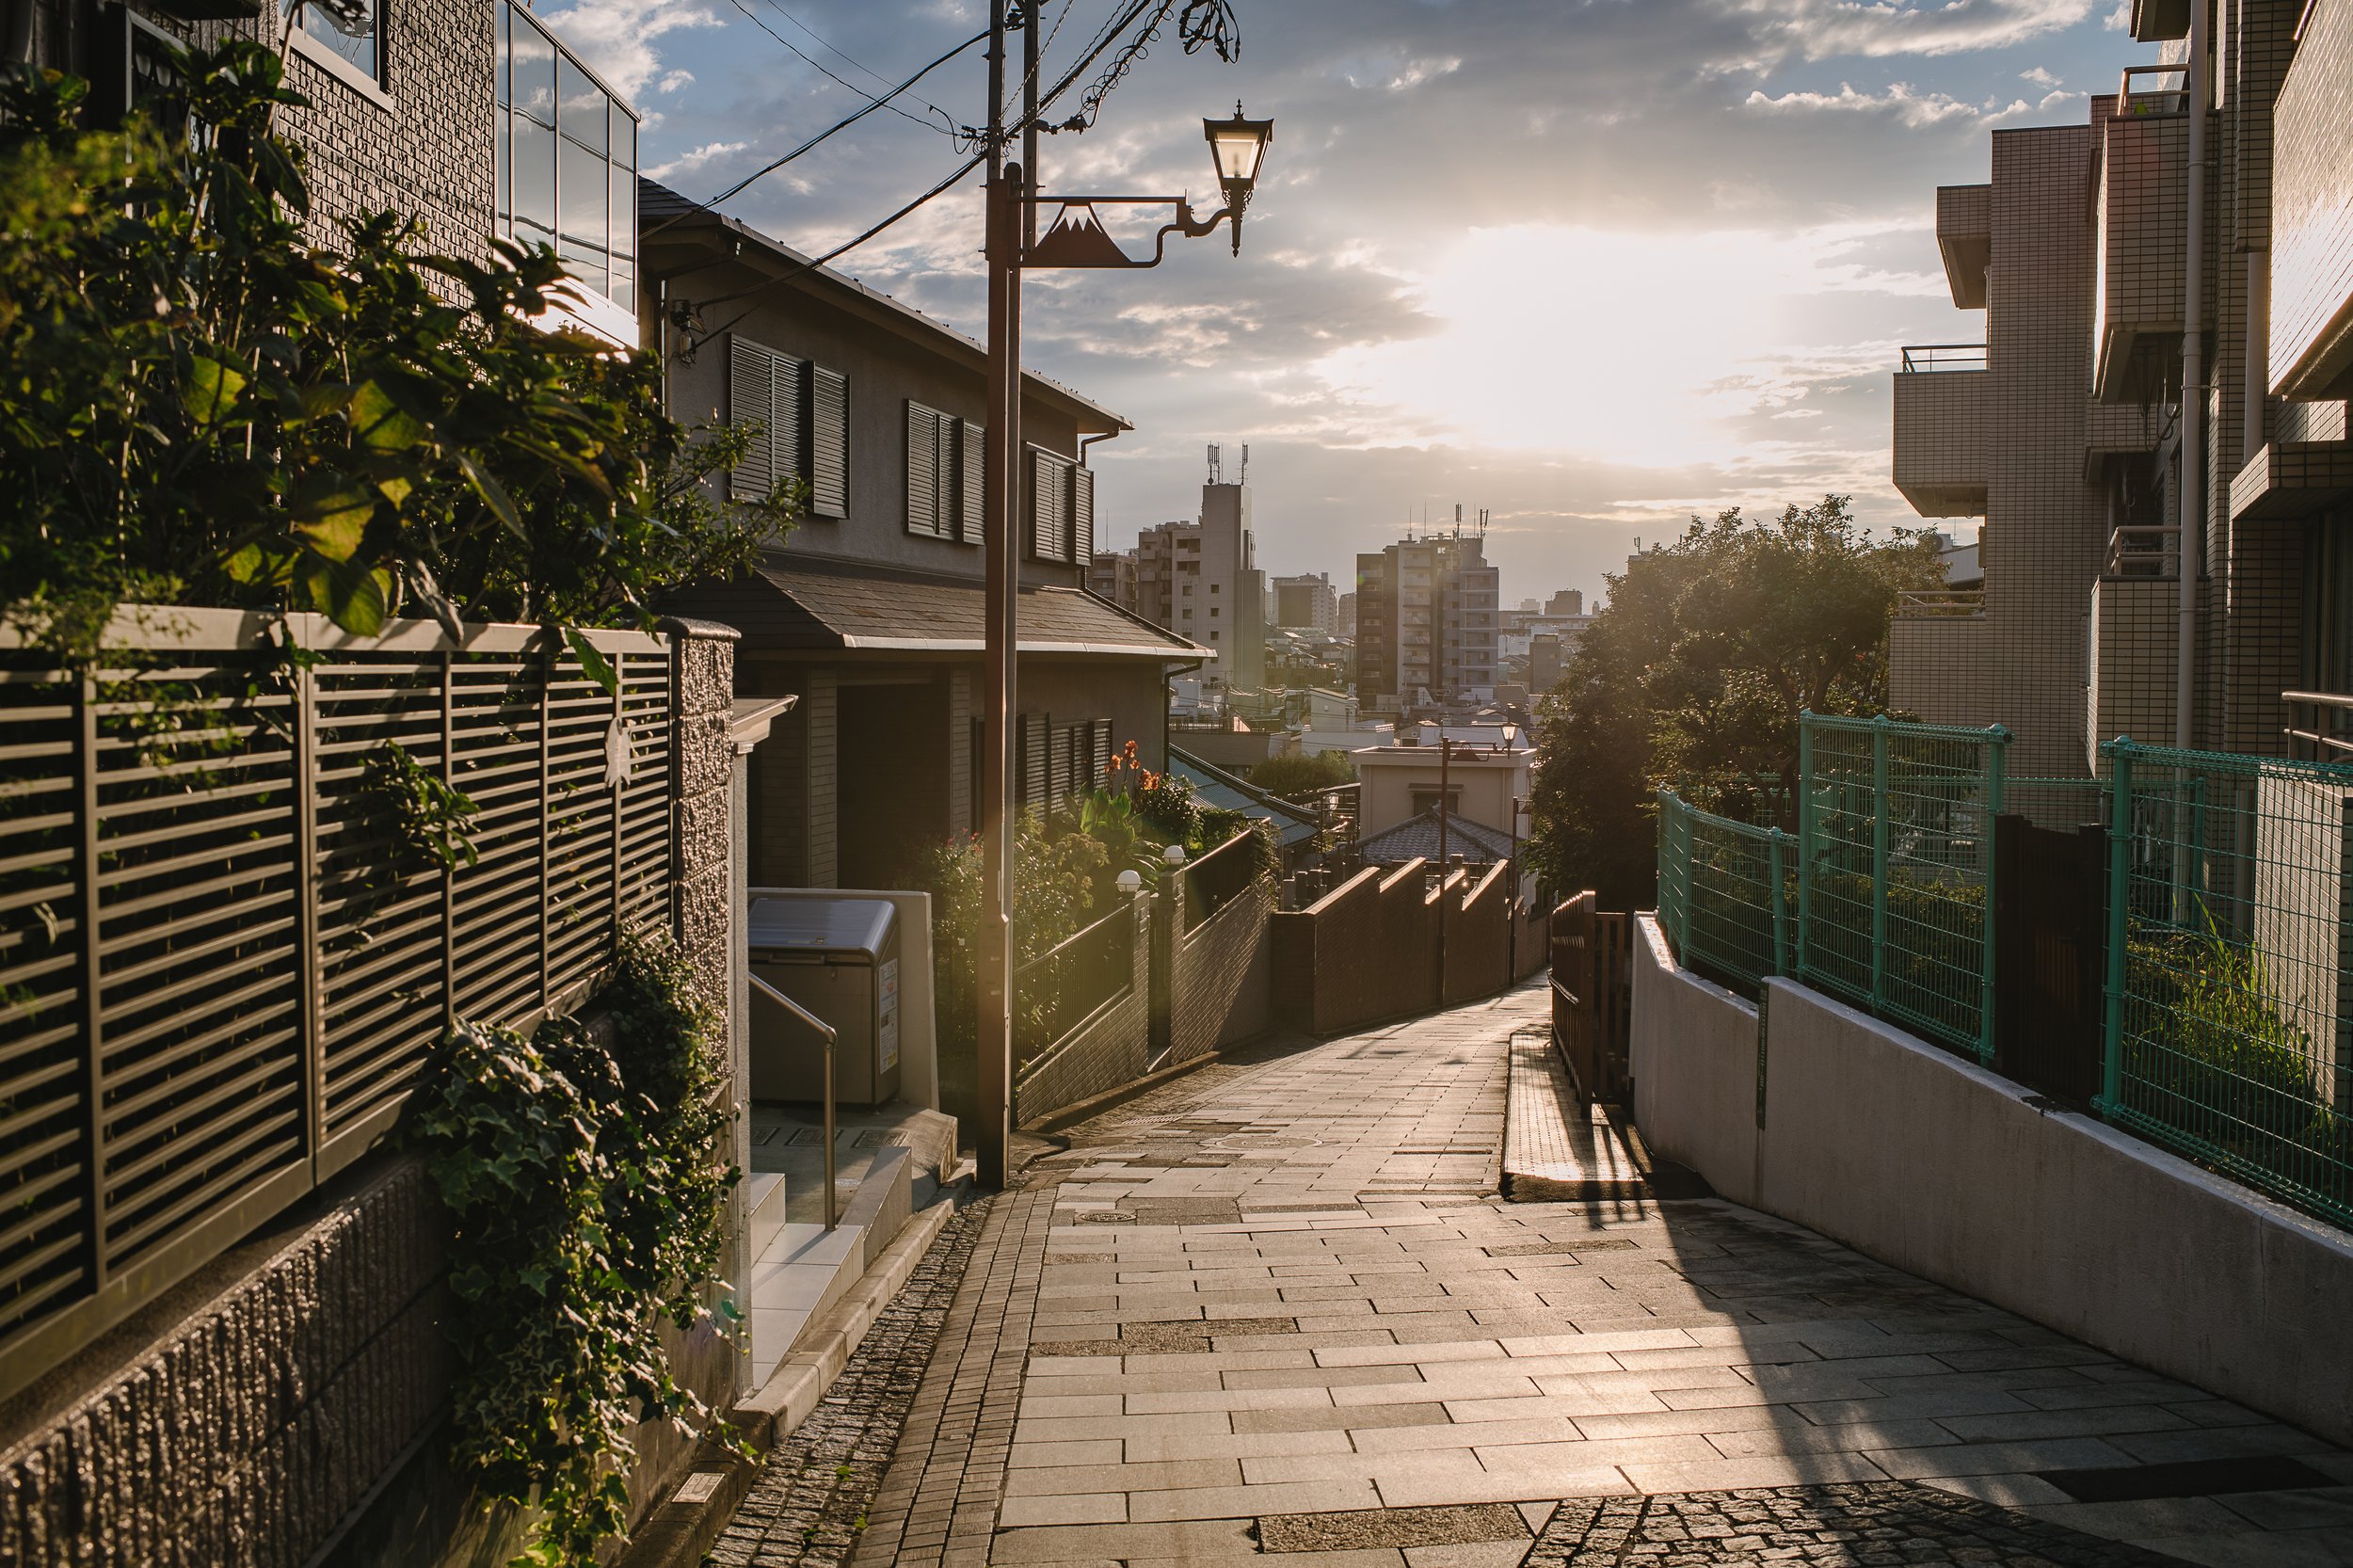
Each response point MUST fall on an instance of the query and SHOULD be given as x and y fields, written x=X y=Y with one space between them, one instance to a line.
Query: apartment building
x=871 y=612
x=2065 y=431
x=1427 y=623
x=1308 y=601
x=1201 y=581
x=471 y=115
x=1111 y=577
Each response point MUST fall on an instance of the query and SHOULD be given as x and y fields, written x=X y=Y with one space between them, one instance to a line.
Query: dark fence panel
x=2050 y=908
x=222 y=957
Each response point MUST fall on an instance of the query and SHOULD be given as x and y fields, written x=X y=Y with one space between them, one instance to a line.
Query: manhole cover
x=1106 y=1217
x=1264 y=1140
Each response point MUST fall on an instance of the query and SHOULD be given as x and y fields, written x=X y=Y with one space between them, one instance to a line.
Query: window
x=566 y=157
x=803 y=410
x=1425 y=798
x=944 y=475
x=1188 y=590
x=1214 y=612
x=1061 y=508
x=1214 y=586
x=352 y=31
x=1057 y=763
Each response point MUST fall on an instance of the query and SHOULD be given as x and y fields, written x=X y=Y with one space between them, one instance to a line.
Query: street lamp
x=1076 y=238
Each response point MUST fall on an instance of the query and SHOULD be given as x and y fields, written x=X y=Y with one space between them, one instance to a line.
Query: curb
x=681 y=1530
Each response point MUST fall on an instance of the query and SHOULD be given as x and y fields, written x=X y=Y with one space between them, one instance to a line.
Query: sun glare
x=1636 y=348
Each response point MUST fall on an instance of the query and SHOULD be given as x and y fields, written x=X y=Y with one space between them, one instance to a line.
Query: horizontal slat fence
x=222 y=961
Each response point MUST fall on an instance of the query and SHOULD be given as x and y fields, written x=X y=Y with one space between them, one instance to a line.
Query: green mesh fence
x=2230 y=992
x=1895 y=861
x=1725 y=898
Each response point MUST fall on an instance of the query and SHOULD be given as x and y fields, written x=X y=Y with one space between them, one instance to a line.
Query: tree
x=198 y=408
x=1695 y=671
x=1301 y=777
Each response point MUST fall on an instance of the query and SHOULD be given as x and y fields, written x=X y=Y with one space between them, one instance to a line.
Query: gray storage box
x=838 y=958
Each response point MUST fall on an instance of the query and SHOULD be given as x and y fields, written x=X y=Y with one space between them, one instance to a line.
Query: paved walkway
x=1273 y=1313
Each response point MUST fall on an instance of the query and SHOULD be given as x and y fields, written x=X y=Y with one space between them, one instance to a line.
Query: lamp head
x=1237 y=146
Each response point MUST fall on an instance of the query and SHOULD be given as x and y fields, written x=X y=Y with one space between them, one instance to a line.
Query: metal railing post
x=546 y=818
x=86 y=917
x=1805 y=835
x=1878 y=862
x=1780 y=904
x=448 y=936
x=312 y=1000
x=2120 y=752
x=825 y=1034
x=1997 y=743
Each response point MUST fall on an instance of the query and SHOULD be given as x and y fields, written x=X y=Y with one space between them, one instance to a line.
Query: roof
x=1416 y=839
x=792 y=603
x=1293 y=825
x=661 y=209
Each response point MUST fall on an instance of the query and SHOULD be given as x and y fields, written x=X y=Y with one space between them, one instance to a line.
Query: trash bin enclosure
x=839 y=959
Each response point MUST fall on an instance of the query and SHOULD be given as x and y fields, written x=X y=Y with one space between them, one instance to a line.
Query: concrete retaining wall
x=1112 y=1047
x=1221 y=977
x=1915 y=1157
x=1478 y=918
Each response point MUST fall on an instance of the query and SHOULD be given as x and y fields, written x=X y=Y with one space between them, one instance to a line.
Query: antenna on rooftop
x=1458 y=520
x=1243 y=477
x=1217 y=466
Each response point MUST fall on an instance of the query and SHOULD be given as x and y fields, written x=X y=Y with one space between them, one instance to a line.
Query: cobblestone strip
x=814 y=1495
x=1870 y=1522
x=938 y=1507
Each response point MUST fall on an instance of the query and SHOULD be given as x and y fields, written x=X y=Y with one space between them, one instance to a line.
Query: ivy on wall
x=588 y=1208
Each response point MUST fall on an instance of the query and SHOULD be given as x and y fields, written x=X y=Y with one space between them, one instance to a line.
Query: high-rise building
x=2065 y=432
x=1344 y=622
x=1308 y=601
x=1112 y=575
x=1201 y=581
x=1568 y=602
x=1426 y=621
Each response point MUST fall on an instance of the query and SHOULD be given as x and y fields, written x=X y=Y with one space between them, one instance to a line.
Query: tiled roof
x=1293 y=825
x=805 y=603
x=1416 y=839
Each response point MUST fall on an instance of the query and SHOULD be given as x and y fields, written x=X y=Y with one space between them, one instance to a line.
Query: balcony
x=1940 y=603
x=2140 y=202
x=2312 y=216
x=1942 y=411
x=1964 y=233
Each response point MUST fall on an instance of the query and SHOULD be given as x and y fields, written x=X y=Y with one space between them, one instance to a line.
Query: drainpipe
x=2193 y=509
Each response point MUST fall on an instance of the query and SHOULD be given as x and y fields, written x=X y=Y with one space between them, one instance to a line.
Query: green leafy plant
x=588 y=1208
x=197 y=406
x=432 y=817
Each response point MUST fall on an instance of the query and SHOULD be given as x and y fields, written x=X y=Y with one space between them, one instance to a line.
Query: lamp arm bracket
x=1185 y=224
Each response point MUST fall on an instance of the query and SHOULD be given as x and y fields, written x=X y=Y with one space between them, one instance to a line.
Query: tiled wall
x=2311 y=280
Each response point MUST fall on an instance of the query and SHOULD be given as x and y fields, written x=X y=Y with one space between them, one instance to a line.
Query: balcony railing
x=1941 y=601
x=2320 y=724
x=1924 y=358
x=2145 y=550
x=2135 y=97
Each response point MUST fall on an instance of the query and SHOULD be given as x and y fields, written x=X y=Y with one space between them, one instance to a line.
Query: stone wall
x=1912 y=1156
x=1220 y=976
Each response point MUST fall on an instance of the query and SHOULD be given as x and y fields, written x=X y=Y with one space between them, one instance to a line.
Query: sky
x=1592 y=266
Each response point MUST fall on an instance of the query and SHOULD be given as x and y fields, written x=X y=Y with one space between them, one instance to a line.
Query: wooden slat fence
x=222 y=961
x=1593 y=996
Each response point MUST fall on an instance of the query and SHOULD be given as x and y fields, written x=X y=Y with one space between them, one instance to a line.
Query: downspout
x=20 y=44
x=2189 y=544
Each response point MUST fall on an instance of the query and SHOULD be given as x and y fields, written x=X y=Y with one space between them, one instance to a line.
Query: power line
x=843 y=124
x=753 y=17
x=836 y=50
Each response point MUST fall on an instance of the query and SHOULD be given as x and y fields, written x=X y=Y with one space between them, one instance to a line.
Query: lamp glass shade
x=1238 y=145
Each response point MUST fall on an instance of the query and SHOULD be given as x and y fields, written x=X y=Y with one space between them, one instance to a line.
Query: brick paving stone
x=1285 y=1286
x=810 y=1501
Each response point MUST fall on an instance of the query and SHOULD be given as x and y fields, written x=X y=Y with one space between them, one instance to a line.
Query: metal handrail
x=829 y=1033
x=1941 y=601
x=1926 y=357
x=2320 y=739
x=2163 y=555
x=2148 y=101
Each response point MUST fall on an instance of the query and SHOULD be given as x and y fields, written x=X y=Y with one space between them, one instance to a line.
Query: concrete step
x=1555 y=1148
x=763 y=1205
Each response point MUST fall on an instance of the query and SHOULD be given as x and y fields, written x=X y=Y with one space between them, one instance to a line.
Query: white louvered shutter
x=1082 y=515
x=1049 y=506
x=972 y=441
x=924 y=510
x=750 y=403
x=828 y=443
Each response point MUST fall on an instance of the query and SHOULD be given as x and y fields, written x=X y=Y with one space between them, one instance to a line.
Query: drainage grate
x=1373 y=1528
x=2191 y=1478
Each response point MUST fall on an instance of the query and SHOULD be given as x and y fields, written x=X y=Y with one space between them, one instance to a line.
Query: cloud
x=688 y=162
x=1901 y=102
x=616 y=37
x=2040 y=77
x=1823 y=29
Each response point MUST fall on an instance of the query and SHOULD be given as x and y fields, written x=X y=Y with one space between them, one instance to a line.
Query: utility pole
x=1000 y=479
x=1446 y=750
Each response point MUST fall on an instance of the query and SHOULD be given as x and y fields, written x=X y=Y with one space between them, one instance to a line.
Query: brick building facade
x=2064 y=432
